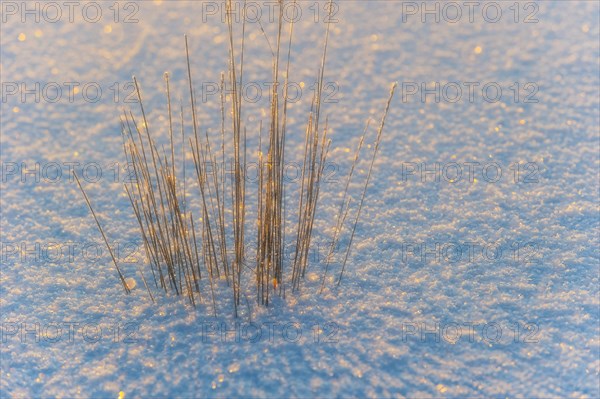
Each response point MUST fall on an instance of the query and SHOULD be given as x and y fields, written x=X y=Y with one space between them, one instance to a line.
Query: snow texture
x=399 y=325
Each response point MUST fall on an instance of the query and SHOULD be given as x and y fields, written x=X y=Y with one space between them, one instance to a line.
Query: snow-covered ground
x=477 y=284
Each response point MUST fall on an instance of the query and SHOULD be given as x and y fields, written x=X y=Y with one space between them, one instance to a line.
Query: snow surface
x=370 y=342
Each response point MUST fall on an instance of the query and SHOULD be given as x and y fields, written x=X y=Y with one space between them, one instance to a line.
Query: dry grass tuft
x=190 y=250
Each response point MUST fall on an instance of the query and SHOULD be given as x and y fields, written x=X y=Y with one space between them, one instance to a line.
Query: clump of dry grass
x=190 y=250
